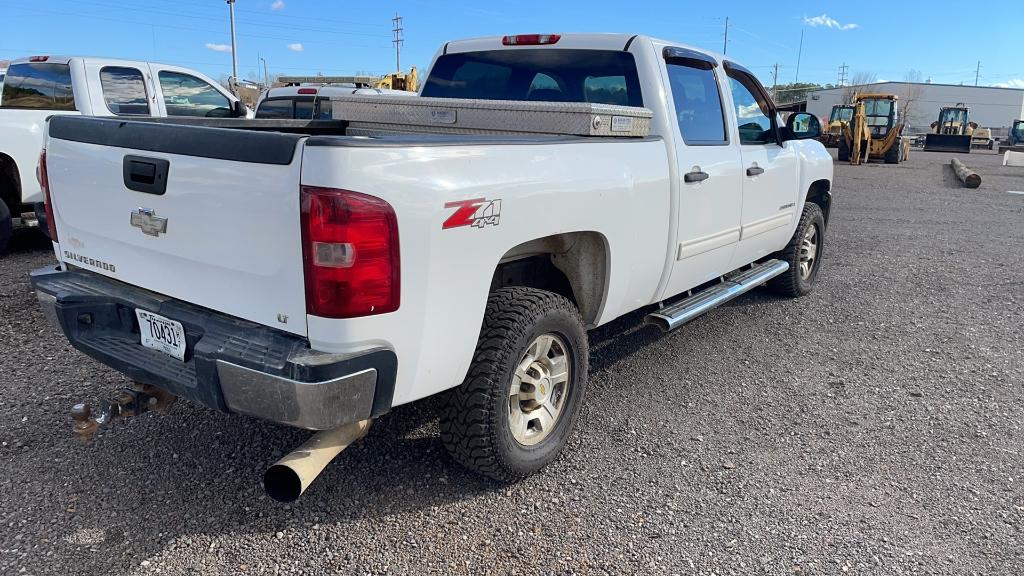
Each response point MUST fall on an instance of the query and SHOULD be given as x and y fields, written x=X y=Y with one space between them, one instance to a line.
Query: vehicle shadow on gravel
x=27 y=240
x=198 y=472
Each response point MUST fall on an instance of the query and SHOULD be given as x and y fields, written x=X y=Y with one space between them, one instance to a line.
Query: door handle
x=755 y=171
x=695 y=176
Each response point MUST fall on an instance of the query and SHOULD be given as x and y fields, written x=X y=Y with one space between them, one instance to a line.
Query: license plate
x=162 y=334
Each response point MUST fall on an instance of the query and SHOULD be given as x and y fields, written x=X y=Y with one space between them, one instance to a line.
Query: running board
x=675 y=315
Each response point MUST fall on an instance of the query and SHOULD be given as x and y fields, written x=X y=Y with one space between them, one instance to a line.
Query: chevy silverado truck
x=38 y=87
x=352 y=274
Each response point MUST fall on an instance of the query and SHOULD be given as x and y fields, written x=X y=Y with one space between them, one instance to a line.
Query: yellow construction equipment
x=833 y=132
x=408 y=81
x=952 y=132
x=874 y=131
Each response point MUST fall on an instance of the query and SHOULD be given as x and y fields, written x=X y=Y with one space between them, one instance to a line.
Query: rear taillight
x=38 y=58
x=350 y=253
x=307 y=90
x=44 y=185
x=530 y=39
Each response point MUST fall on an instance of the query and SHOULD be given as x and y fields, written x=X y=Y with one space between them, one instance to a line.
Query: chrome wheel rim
x=539 y=390
x=808 y=252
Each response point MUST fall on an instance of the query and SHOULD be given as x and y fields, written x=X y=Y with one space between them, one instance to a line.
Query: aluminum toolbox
x=374 y=115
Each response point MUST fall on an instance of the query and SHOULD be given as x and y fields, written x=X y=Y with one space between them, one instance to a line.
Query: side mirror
x=238 y=109
x=802 y=126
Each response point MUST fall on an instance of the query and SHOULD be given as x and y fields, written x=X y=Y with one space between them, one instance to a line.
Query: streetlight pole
x=234 y=52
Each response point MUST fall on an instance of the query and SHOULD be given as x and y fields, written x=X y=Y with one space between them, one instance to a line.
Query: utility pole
x=799 y=53
x=398 y=40
x=775 y=82
x=977 y=73
x=842 y=74
x=725 y=44
x=266 y=76
x=234 y=52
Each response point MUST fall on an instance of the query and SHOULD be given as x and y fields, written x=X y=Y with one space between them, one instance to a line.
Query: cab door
x=770 y=170
x=708 y=165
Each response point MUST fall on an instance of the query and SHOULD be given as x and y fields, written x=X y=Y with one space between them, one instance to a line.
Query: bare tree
x=911 y=98
x=857 y=83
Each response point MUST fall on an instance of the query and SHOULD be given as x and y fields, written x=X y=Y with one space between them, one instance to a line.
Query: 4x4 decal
x=478 y=212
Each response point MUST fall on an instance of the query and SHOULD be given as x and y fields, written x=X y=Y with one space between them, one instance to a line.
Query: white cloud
x=297 y=47
x=277 y=5
x=1015 y=83
x=828 y=22
x=218 y=47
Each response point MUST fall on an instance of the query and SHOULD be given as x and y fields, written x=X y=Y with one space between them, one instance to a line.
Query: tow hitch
x=124 y=403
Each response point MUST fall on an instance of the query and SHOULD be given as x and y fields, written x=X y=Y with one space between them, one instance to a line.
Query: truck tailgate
x=209 y=216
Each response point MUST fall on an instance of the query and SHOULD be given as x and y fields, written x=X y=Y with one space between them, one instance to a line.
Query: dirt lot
x=873 y=427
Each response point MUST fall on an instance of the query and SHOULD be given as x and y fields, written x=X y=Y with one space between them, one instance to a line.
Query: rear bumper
x=230 y=364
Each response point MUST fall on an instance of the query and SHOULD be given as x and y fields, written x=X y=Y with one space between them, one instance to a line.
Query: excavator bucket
x=948 y=143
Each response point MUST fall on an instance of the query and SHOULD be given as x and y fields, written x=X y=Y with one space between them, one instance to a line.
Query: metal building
x=990 y=107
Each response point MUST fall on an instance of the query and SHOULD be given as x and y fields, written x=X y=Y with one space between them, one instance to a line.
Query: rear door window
x=697 y=103
x=543 y=75
x=124 y=91
x=42 y=85
x=186 y=95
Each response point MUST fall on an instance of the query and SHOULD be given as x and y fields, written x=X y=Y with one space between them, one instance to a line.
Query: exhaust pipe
x=289 y=477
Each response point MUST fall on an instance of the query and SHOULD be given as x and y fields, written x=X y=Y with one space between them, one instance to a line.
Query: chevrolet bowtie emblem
x=146 y=220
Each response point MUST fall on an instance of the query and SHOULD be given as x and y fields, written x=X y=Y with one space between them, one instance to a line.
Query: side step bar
x=675 y=315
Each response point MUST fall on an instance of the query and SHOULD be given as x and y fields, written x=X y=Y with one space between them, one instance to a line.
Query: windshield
x=879 y=115
x=540 y=75
x=1018 y=130
x=841 y=114
x=38 y=85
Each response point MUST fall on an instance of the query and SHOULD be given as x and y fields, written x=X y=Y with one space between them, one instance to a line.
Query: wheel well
x=10 y=183
x=573 y=264
x=819 y=194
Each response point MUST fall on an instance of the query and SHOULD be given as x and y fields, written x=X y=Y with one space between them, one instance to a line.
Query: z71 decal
x=478 y=212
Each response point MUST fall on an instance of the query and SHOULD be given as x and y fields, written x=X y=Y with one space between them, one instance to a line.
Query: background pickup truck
x=41 y=86
x=319 y=280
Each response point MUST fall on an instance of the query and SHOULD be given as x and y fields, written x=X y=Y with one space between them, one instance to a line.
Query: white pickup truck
x=38 y=87
x=320 y=280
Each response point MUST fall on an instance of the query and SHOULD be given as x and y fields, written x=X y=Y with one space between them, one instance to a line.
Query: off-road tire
x=474 y=425
x=843 y=153
x=895 y=152
x=792 y=283
x=6 y=226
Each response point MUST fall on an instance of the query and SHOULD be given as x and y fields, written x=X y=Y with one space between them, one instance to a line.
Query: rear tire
x=6 y=226
x=499 y=424
x=803 y=253
x=844 y=151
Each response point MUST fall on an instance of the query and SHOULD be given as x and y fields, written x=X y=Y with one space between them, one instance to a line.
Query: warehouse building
x=989 y=106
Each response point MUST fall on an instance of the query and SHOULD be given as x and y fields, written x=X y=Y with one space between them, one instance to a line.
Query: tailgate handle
x=144 y=174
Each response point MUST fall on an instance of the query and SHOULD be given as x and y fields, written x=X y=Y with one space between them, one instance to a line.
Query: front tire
x=517 y=407
x=895 y=152
x=803 y=253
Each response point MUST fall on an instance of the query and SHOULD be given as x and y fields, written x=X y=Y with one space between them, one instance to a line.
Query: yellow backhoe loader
x=874 y=131
x=952 y=132
x=833 y=132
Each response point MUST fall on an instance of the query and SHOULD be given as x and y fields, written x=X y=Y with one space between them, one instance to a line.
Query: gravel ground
x=873 y=427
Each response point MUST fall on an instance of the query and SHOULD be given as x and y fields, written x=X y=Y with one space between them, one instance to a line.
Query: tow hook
x=124 y=403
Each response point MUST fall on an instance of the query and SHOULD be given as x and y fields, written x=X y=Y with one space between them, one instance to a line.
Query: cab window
x=42 y=85
x=753 y=112
x=697 y=103
x=186 y=95
x=124 y=91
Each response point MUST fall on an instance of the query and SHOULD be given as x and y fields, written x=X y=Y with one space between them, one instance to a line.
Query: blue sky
x=334 y=37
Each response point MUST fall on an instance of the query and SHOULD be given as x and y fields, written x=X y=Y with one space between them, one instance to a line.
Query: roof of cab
x=585 y=41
